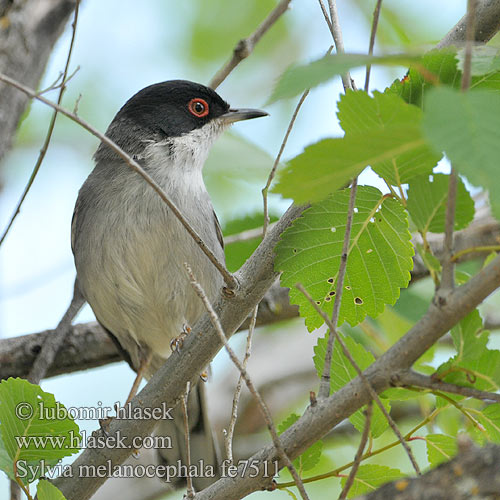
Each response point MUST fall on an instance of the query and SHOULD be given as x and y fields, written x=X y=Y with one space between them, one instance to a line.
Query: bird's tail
x=204 y=468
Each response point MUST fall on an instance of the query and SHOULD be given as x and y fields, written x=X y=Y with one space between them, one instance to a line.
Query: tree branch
x=25 y=46
x=246 y=45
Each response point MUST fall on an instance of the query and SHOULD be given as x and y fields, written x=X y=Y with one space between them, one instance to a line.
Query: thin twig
x=266 y=414
x=239 y=386
x=50 y=130
x=53 y=342
x=245 y=46
x=359 y=454
x=338 y=40
x=277 y=160
x=448 y=274
x=469 y=42
x=184 y=405
x=361 y=375
x=229 y=279
x=324 y=387
x=249 y=234
x=410 y=378
x=326 y=16
x=376 y=17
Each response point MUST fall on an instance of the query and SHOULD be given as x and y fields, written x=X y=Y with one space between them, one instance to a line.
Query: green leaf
x=465 y=126
x=310 y=458
x=440 y=448
x=30 y=414
x=469 y=337
x=427 y=199
x=485 y=60
x=299 y=78
x=371 y=477
x=342 y=371
x=47 y=491
x=489 y=418
x=359 y=113
x=440 y=63
x=6 y=463
x=379 y=257
x=238 y=252
x=331 y=163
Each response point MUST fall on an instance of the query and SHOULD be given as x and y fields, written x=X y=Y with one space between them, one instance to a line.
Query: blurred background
x=123 y=46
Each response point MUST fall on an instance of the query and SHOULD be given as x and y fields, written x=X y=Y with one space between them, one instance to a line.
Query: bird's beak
x=236 y=115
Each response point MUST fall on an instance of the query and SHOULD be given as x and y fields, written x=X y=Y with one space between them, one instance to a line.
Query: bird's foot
x=177 y=342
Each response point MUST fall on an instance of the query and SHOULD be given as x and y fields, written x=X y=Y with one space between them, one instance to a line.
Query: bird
x=129 y=248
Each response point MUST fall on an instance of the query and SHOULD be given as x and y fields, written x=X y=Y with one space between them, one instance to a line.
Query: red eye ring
x=198 y=107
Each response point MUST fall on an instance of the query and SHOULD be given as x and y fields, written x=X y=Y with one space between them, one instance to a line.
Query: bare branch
x=486 y=26
x=239 y=387
x=359 y=454
x=410 y=378
x=184 y=405
x=361 y=375
x=48 y=136
x=376 y=16
x=245 y=46
x=231 y=283
x=324 y=388
x=266 y=414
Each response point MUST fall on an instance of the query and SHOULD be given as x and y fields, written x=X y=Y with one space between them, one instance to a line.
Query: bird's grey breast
x=131 y=249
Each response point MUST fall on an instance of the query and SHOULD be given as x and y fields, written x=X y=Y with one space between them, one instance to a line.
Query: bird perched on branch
x=130 y=248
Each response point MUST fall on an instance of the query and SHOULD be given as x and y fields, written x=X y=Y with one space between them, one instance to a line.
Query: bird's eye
x=198 y=107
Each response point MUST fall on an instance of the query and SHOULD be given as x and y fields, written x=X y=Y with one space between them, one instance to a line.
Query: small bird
x=129 y=248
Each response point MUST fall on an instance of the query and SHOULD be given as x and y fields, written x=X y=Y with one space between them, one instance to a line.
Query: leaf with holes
x=427 y=199
x=465 y=126
x=342 y=371
x=371 y=477
x=440 y=448
x=379 y=257
x=359 y=113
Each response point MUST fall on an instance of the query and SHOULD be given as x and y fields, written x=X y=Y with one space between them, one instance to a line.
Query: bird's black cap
x=176 y=107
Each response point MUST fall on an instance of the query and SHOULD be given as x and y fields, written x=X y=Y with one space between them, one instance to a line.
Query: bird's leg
x=145 y=362
x=176 y=342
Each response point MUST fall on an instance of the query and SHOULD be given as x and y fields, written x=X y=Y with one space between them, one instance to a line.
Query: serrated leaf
x=442 y=64
x=482 y=373
x=440 y=448
x=489 y=418
x=379 y=257
x=469 y=337
x=465 y=126
x=359 y=113
x=47 y=491
x=27 y=412
x=329 y=164
x=371 y=477
x=299 y=78
x=485 y=59
x=6 y=463
x=288 y=422
x=342 y=371
x=427 y=197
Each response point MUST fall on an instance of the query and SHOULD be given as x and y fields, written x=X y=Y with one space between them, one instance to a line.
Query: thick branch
x=203 y=343
x=32 y=28
x=487 y=25
x=319 y=419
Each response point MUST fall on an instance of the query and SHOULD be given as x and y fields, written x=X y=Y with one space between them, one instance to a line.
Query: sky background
x=121 y=48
